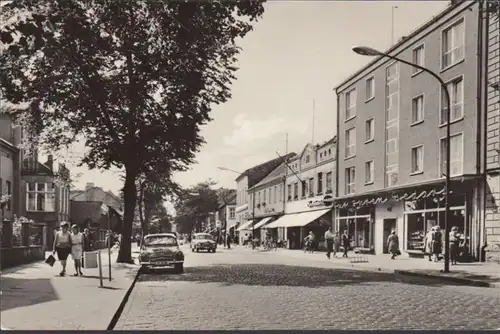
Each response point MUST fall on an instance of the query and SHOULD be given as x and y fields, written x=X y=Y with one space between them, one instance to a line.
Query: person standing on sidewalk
x=228 y=241
x=437 y=244
x=428 y=244
x=329 y=241
x=346 y=243
x=393 y=244
x=454 y=244
x=336 y=244
x=87 y=243
x=77 y=249
x=62 y=245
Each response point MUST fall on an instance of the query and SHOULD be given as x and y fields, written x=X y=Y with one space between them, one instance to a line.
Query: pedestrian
x=393 y=244
x=428 y=244
x=346 y=243
x=437 y=244
x=87 y=243
x=329 y=242
x=454 y=244
x=228 y=241
x=62 y=245
x=336 y=244
x=77 y=249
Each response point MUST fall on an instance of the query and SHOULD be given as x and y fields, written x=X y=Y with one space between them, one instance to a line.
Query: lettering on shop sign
x=326 y=201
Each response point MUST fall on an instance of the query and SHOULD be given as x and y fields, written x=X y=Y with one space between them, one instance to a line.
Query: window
x=281 y=192
x=418 y=58
x=232 y=213
x=269 y=196
x=329 y=182
x=304 y=189
x=370 y=88
x=311 y=187
x=417 y=109
x=350 y=180
x=417 y=159
x=275 y=194
x=9 y=193
x=350 y=143
x=258 y=197
x=453 y=39
x=369 y=172
x=350 y=104
x=307 y=159
x=456 y=91
x=264 y=197
x=456 y=155
x=369 y=130
x=289 y=190
x=320 y=183
x=321 y=155
x=329 y=151
x=40 y=197
x=296 y=191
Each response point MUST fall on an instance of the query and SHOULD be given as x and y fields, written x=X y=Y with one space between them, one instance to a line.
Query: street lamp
x=367 y=51
x=253 y=200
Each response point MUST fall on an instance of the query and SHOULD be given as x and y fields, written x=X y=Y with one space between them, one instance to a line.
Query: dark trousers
x=346 y=249
x=329 y=247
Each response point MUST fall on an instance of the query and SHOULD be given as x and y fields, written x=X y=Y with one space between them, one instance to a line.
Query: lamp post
x=367 y=51
x=253 y=200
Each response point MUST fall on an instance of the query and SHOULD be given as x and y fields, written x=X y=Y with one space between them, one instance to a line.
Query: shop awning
x=298 y=219
x=262 y=222
x=245 y=226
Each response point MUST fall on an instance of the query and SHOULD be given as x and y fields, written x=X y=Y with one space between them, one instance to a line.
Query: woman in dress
x=437 y=244
x=62 y=245
x=393 y=244
x=77 y=249
x=428 y=243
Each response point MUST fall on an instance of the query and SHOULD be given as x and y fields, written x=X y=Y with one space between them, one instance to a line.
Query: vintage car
x=203 y=241
x=161 y=251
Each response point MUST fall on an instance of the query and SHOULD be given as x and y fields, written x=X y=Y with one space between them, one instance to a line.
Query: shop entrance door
x=389 y=225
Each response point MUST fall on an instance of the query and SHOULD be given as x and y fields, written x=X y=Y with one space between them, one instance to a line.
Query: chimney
x=50 y=162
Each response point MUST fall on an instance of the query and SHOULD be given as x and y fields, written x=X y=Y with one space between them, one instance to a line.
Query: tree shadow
x=18 y=292
x=284 y=275
x=463 y=274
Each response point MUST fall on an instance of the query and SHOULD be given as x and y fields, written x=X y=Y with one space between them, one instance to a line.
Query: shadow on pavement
x=18 y=292
x=461 y=274
x=283 y=275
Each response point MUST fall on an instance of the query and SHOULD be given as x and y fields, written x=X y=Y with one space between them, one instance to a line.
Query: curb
x=460 y=280
x=119 y=311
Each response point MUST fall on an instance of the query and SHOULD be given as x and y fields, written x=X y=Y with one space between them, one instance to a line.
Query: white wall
x=381 y=213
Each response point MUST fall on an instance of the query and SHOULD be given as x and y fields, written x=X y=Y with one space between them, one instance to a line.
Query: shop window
x=416 y=231
x=456 y=218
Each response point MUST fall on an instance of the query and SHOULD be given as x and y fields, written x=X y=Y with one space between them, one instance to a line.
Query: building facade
x=93 y=193
x=492 y=131
x=226 y=213
x=244 y=182
x=10 y=167
x=309 y=194
x=392 y=135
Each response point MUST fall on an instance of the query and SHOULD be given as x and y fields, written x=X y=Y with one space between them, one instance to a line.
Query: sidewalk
x=477 y=274
x=34 y=297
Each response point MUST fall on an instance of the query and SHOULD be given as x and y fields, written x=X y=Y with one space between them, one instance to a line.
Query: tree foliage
x=194 y=205
x=135 y=78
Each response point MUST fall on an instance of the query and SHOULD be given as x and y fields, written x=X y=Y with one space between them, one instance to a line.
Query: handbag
x=50 y=260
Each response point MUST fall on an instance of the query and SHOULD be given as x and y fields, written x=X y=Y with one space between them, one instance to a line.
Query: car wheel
x=197 y=250
x=192 y=250
x=179 y=267
x=213 y=250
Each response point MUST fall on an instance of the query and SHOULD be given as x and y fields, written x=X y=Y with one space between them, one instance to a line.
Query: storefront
x=421 y=215
x=360 y=226
x=301 y=217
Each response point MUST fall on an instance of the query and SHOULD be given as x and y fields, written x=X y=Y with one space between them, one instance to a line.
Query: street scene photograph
x=250 y=165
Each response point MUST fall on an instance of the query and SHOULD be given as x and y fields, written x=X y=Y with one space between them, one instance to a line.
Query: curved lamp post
x=367 y=51
x=253 y=201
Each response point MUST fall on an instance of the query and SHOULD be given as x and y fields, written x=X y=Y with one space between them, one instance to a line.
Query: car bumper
x=205 y=247
x=160 y=264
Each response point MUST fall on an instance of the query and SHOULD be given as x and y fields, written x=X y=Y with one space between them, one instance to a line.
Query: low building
x=309 y=194
x=245 y=181
x=93 y=193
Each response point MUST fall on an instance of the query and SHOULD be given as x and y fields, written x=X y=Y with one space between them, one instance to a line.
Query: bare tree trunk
x=144 y=227
x=130 y=198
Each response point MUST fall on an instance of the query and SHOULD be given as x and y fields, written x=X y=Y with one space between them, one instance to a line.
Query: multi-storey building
x=392 y=135
x=244 y=182
x=309 y=193
x=10 y=168
x=226 y=212
x=492 y=130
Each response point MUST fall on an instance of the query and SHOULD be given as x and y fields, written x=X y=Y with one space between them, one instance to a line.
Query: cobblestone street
x=243 y=289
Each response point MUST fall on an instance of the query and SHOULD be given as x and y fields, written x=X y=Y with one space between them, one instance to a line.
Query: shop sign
x=325 y=201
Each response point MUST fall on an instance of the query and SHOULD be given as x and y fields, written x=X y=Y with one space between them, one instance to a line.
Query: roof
x=77 y=192
x=230 y=197
x=405 y=39
x=259 y=172
x=278 y=172
x=328 y=142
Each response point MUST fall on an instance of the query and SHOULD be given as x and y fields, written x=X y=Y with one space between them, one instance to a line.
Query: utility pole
x=392 y=24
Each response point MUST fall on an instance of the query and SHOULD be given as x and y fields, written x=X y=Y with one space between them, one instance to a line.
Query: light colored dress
x=77 y=246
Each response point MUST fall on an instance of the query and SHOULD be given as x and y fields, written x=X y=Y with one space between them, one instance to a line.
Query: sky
x=292 y=60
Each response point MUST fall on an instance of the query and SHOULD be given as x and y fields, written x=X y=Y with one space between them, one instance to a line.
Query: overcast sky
x=297 y=53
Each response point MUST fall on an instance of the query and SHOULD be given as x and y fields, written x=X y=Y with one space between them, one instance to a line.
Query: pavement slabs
x=34 y=297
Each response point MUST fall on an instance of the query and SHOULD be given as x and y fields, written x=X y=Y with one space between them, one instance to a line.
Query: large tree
x=135 y=78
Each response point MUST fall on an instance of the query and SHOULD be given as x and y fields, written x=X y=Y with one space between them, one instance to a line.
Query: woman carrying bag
x=62 y=245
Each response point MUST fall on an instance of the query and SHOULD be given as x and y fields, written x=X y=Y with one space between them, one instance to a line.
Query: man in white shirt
x=329 y=241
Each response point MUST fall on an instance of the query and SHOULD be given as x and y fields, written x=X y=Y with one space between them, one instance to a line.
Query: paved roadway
x=242 y=289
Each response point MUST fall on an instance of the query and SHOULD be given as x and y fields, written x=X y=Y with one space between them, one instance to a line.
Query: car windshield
x=203 y=237
x=160 y=240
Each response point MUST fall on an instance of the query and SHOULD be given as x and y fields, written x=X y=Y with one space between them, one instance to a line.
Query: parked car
x=203 y=241
x=161 y=251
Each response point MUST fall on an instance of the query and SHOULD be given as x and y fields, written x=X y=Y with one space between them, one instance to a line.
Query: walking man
x=329 y=241
x=346 y=243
